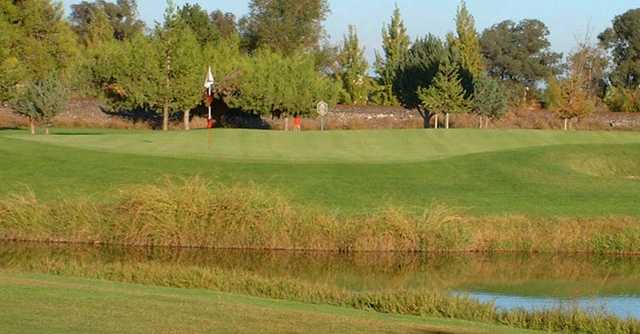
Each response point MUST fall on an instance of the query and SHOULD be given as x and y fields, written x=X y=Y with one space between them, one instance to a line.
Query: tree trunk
x=436 y=123
x=286 y=122
x=481 y=119
x=446 y=122
x=486 y=123
x=165 y=117
x=32 y=125
x=187 y=120
x=566 y=124
x=46 y=130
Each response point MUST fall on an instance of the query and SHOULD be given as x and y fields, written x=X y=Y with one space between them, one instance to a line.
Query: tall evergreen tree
x=446 y=95
x=353 y=69
x=395 y=45
x=489 y=99
x=467 y=42
x=418 y=69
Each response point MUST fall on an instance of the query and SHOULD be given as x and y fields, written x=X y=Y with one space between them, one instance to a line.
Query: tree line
x=276 y=60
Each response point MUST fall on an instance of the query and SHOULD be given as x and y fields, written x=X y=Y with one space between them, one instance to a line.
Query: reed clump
x=406 y=302
x=196 y=213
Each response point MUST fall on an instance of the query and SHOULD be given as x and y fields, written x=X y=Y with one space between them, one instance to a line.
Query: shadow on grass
x=78 y=134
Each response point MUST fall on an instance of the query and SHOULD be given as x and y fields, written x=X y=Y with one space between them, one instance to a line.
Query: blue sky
x=568 y=20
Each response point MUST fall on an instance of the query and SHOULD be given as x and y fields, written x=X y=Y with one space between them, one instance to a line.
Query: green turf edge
x=36 y=293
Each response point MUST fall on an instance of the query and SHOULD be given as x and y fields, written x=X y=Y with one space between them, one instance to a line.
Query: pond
x=606 y=283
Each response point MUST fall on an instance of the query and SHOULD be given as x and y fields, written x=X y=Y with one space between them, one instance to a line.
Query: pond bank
x=211 y=272
x=194 y=213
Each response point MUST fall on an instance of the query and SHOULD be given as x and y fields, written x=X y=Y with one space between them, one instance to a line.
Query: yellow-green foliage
x=194 y=213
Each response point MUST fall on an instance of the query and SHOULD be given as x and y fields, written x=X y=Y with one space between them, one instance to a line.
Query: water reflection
x=511 y=280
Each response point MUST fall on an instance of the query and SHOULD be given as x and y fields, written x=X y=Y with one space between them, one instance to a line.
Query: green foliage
x=273 y=83
x=418 y=69
x=122 y=17
x=519 y=52
x=284 y=26
x=552 y=94
x=446 y=94
x=467 y=42
x=623 y=40
x=35 y=41
x=623 y=99
x=395 y=45
x=489 y=98
x=198 y=20
x=43 y=99
x=225 y=24
x=353 y=70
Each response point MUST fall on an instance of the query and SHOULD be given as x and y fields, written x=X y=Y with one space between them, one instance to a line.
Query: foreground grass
x=422 y=303
x=40 y=303
x=537 y=173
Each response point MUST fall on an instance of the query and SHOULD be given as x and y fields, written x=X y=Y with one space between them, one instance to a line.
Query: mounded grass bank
x=423 y=303
x=73 y=305
x=195 y=213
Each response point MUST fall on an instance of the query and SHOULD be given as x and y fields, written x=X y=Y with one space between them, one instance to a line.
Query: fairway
x=70 y=305
x=479 y=172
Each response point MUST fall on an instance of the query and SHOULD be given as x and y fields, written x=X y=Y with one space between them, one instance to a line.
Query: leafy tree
x=467 y=42
x=122 y=15
x=41 y=100
x=353 y=69
x=620 y=99
x=519 y=52
x=623 y=40
x=99 y=29
x=446 y=95
x=575 y=99
x=34 y=42
x=284 y=26
x=225 y=24
x=180 y=54
x=198 y=20
x=489 y=101
x=395 y=45
x=418 y=69
x=275 y=84
x=553 y=93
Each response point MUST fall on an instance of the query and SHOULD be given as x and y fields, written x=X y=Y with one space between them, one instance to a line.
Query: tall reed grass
x=407 y=302
x=195 y=213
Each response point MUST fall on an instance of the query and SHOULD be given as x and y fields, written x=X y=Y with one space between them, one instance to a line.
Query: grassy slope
x=67 y=305
x=485 y=172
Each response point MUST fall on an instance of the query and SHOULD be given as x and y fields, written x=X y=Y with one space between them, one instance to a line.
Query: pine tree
x=353 y=69
x=467 y=42
x=446 y=95
x=395 y=45
x=489 y=99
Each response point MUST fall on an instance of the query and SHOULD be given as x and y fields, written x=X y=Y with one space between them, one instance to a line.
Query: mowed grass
x=490 y=172
x=72 y=305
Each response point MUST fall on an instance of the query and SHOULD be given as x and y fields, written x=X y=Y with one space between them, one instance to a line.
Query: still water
x=601 y=283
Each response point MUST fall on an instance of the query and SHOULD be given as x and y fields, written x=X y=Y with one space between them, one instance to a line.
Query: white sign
x=323 y=108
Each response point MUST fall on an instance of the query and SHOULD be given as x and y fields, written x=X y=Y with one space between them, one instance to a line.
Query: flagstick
x=209 y=125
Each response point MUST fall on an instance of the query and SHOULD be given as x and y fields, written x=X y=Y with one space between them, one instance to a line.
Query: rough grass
x=484 y=172
x=415 y=302
x=196 y=213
